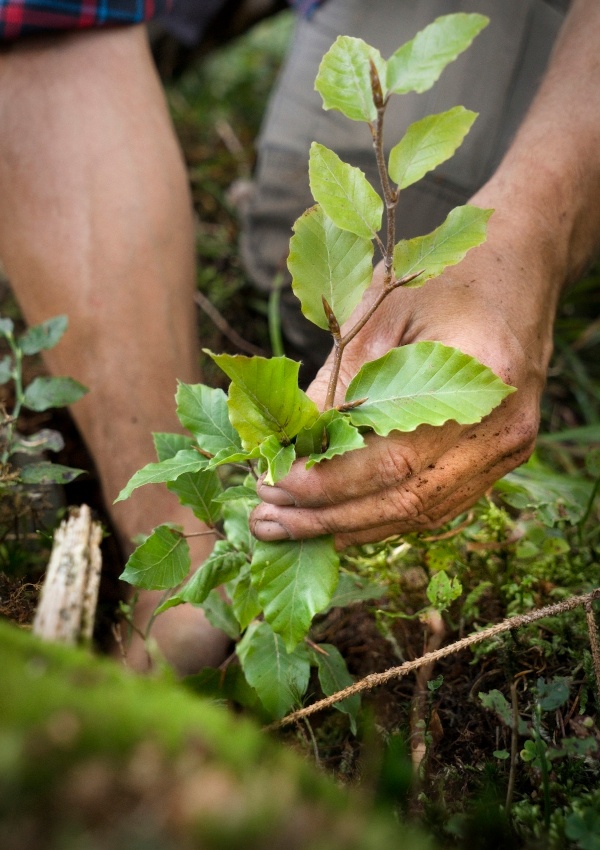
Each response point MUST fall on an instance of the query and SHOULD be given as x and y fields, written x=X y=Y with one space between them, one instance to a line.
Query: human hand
x=493 y=307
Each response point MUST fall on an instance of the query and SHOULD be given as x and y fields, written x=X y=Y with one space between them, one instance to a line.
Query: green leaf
x=44 y=336
x=45 y=472
x=167 y=445
x=236 y=525
x=294 y=580
x=279 y=678
x=423 y=383
x=418 y=64
x=447 y=245
x=233 y=455
x=203 y=411
x=198 y=491
x=352 y=588
x=279 y=459
x=551 y=695
x=427 y=143
x=44 y=393
x=161 y=562
x=443 y=590
x=6 y=369
x=185 y=460
x=227 y=684
x=495 y=701
x=327 y=262
x=554 y=496
x=223 y=564
x=344 y=193
x=264 y=398
x=6 y=327
x=584 y=828
x=310 y=440
x=244 y=601
x=333 y=677
x=342 y=437
x=344 y=80
x=240 y=491
x=219 y=614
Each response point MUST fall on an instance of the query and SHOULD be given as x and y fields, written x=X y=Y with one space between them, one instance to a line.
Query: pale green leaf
x=418 y=64
x=44 y=336
x=279 y=678
x=161 y=562
x=165 y=470
x=44 y=440
x=424 y=383
x=244 y=601
x=555 y=496
x=44 y=393
x=496 y=702
x=264 y=398
x=427 y=143
x=328 y=262
x=167 y=445
x=203 y=411
x=198 y=491
x=442 y=590
x=233 y=455
x=279 y=459
x=334 y=677
x=6 y=369
x=344 y=80
x=344 y=193
x=447 y=245
x=342 y=437
x=46 y=472
x=223 y=564
x=219 y=614
x=6 y=327
x=294 y=580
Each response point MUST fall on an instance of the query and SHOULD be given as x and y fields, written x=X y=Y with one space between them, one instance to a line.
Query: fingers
x=421 y=501
x=381 y=464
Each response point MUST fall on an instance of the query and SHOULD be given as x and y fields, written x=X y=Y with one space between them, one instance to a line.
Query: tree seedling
x=270 y=592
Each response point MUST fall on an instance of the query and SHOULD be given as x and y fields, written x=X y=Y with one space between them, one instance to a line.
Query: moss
x=94 y=757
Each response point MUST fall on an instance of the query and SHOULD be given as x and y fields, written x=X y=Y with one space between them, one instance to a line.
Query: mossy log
x=95 y=758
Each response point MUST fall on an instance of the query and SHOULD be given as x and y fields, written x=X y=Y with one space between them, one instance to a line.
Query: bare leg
x=95 y=222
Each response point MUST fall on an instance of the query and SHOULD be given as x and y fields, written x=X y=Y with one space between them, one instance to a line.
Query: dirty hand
x=493 y=307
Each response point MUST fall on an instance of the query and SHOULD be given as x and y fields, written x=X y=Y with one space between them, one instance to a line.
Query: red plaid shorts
x=24 y=17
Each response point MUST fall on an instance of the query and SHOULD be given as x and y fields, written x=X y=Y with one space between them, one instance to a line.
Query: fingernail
x=275 y=496
x=267 y=530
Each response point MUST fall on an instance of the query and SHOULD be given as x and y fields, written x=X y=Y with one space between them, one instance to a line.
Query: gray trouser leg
x=497 y=77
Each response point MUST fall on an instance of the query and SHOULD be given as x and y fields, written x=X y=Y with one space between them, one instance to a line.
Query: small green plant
x=272 y=591
x=22 y=482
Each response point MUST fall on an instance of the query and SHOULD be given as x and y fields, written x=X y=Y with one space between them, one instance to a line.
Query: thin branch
x=594 y=643
x=375 y=680
x=514 y=745
x=223 y=325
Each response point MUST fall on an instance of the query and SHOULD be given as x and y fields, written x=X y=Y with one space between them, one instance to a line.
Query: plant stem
x=390 y=198
x=17 y=377
x=340 y=343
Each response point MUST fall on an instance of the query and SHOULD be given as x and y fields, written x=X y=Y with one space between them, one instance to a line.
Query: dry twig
x=374 y=680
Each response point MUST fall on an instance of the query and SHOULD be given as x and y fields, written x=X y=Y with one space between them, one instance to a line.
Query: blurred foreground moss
x=93 y=757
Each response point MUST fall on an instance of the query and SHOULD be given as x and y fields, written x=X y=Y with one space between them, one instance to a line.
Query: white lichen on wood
x=67 y=605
